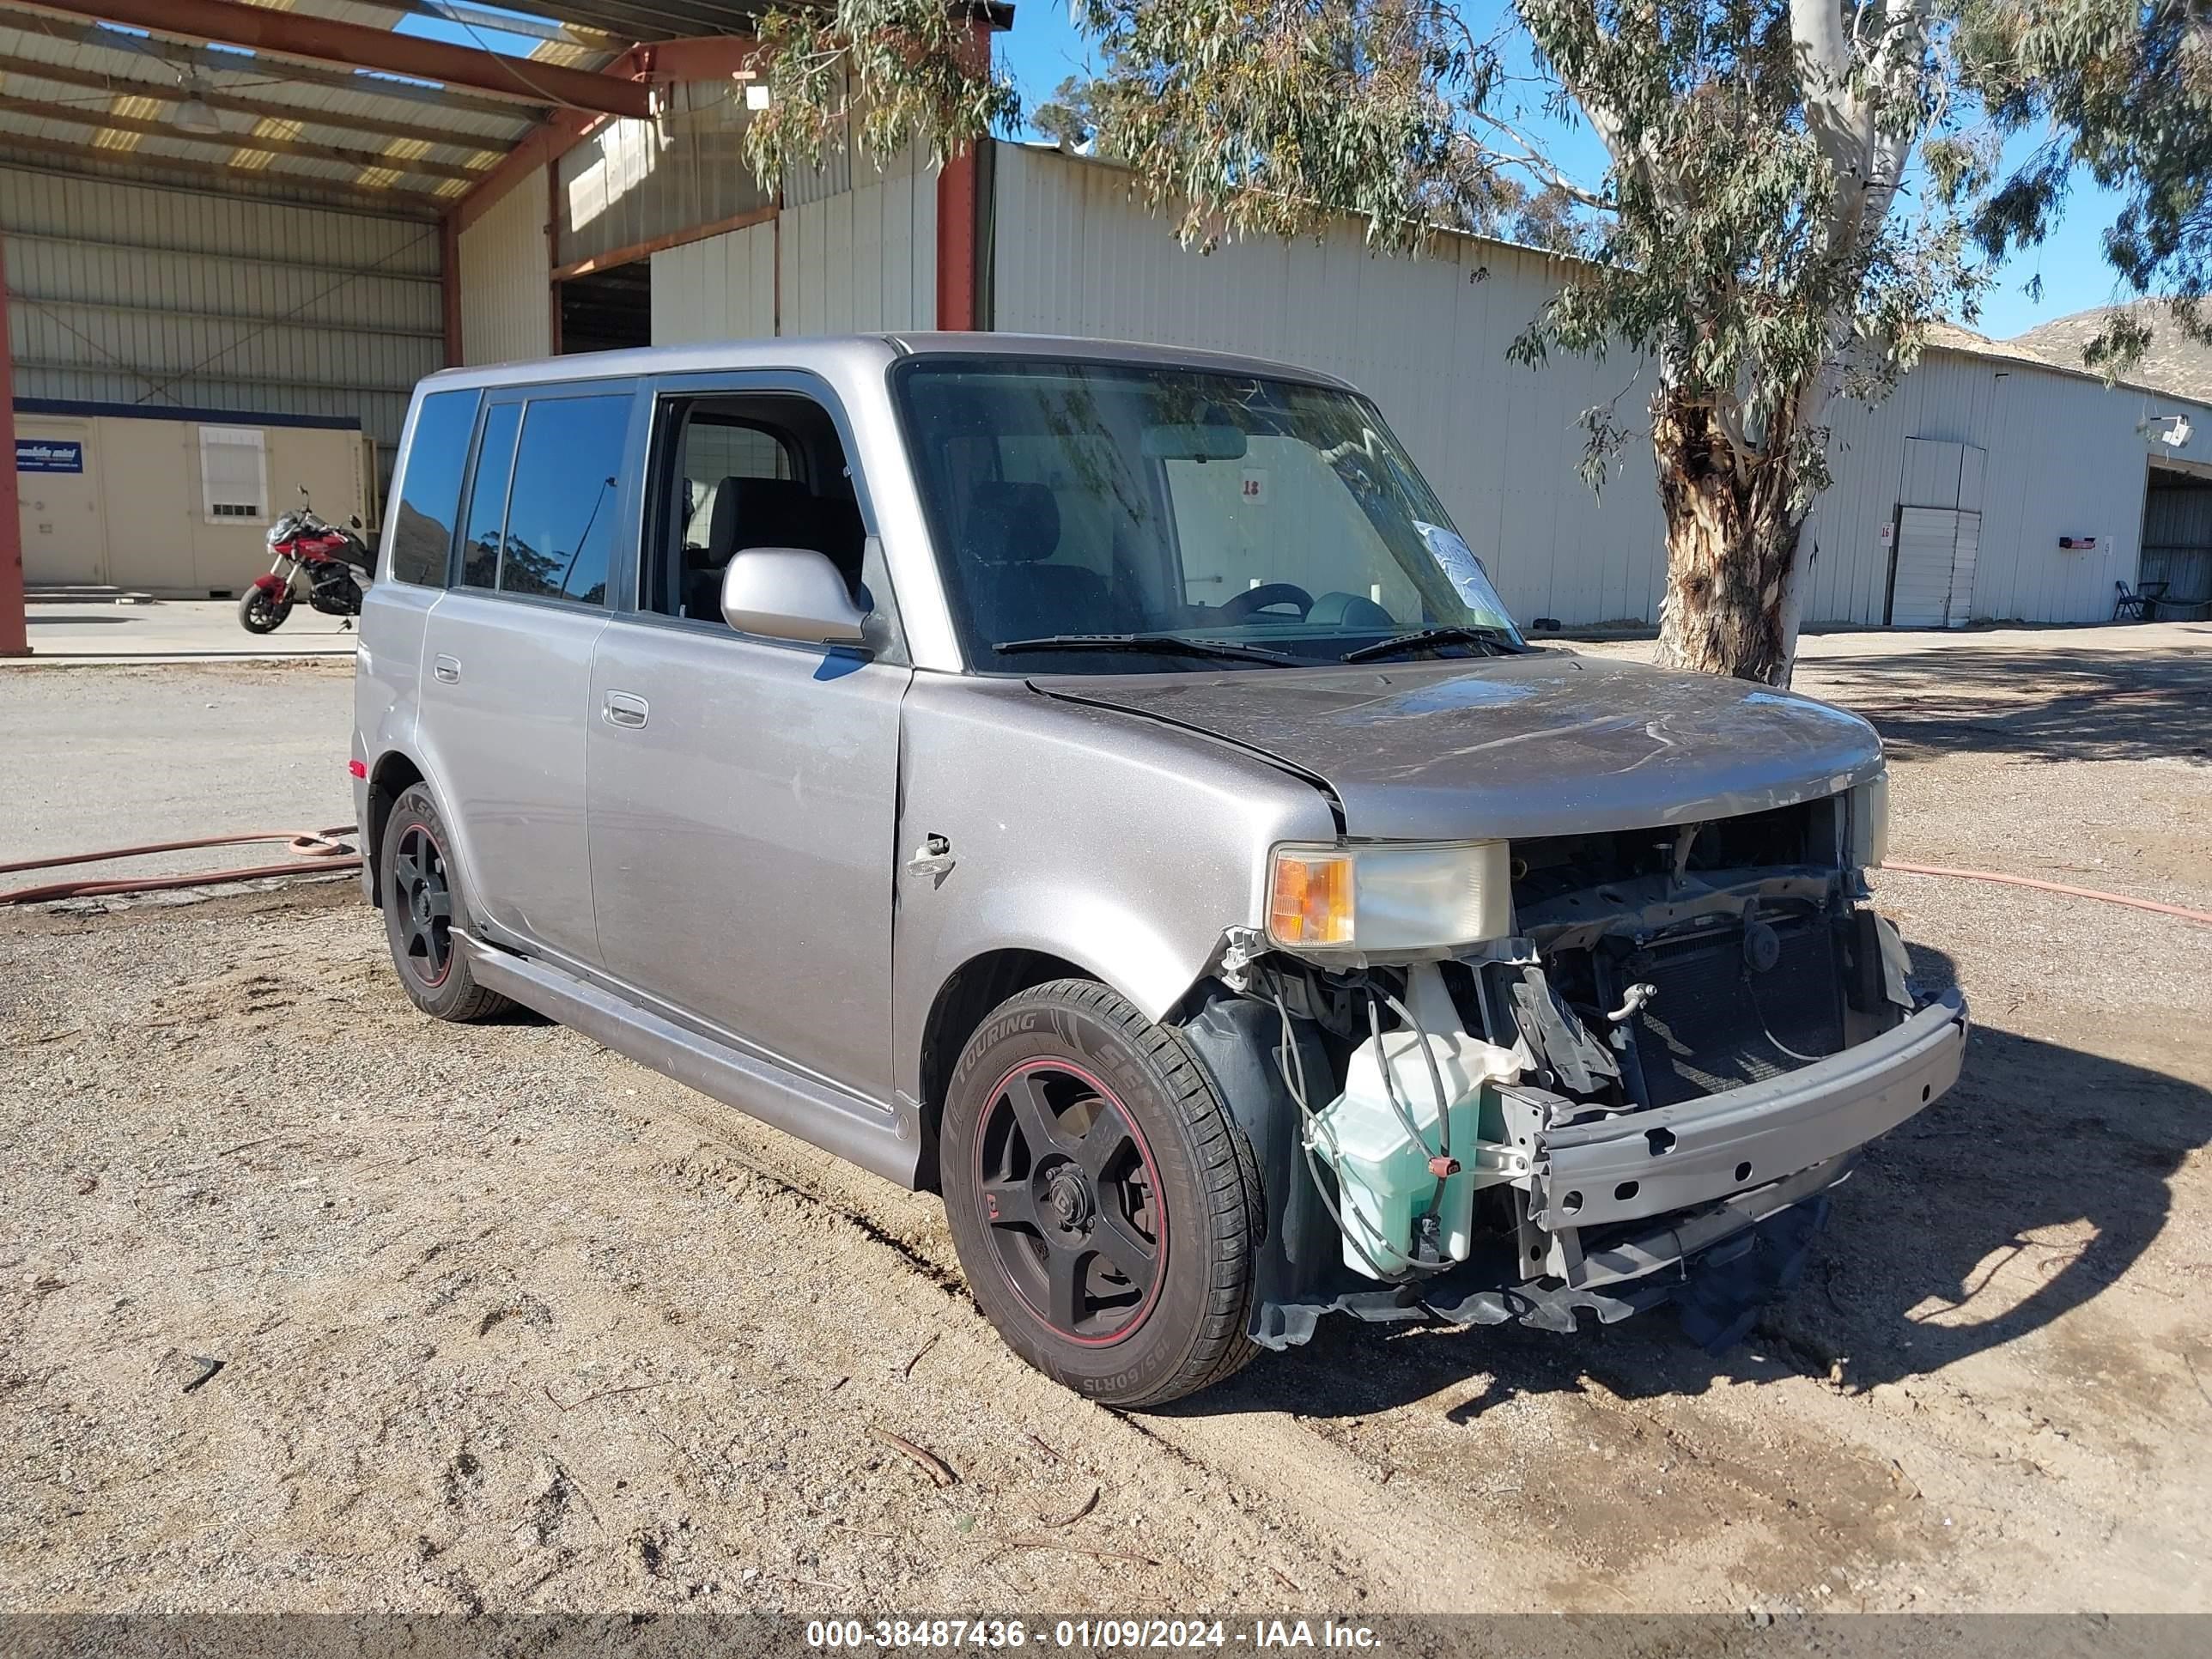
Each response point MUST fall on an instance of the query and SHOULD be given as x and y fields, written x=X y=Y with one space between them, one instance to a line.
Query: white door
x=1933 y=586
x=56 y=479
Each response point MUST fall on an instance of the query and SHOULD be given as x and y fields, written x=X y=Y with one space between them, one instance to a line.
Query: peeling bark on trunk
x=1731 y=550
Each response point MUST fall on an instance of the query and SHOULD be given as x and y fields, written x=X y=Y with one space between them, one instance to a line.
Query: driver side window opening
x=733 y=472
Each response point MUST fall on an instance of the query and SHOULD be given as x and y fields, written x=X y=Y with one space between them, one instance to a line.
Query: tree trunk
x=1731 y=603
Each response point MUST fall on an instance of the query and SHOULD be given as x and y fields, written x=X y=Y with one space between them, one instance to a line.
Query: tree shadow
x=2036 y=1182
x=2048 y=705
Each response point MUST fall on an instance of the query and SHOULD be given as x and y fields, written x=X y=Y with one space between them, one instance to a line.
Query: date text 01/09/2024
x=1085 y=1635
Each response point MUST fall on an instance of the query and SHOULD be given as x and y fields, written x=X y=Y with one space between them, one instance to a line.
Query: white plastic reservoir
x=1385 y=1182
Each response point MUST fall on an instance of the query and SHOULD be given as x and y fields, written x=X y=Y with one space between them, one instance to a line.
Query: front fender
x=1110 y=841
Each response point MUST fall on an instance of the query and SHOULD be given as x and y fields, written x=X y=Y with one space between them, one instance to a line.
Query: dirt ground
x=306 y=1301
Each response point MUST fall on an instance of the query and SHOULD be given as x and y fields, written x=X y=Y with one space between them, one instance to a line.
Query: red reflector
x=359 y=769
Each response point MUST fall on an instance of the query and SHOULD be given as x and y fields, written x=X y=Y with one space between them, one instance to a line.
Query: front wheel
x=261 y=613
x=1105 y=1207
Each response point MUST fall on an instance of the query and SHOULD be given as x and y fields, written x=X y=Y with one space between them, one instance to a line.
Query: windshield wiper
x=1496 y=638
x=1165 y=645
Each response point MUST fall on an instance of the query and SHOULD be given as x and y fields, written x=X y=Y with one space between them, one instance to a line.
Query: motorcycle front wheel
x=260 y=613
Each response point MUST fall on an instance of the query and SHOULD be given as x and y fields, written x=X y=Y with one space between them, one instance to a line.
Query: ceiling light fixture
x=195 y=114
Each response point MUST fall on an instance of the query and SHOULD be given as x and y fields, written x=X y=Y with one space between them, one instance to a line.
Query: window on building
x=233 y=474
x=429 y=500
x=487 y=520
x=565 y=510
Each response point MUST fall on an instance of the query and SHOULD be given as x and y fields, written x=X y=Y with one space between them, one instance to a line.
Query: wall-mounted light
x=2172 y=430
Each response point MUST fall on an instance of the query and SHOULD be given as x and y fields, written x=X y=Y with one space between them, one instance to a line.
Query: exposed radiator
x=1718 y=1024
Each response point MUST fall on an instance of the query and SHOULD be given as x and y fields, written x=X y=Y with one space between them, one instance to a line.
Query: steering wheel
x=1264 y=597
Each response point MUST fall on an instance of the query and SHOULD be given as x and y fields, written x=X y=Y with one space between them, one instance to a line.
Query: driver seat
x=1009 y=536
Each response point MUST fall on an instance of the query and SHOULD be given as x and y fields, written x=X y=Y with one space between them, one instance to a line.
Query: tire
x=1074 y=1127
x=259 y=614
x=422 y=897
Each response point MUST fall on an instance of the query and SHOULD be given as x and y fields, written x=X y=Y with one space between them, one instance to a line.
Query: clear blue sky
x=1044 y=47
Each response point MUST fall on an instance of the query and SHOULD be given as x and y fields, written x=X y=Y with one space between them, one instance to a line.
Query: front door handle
x=623 y=709
x=447 y=669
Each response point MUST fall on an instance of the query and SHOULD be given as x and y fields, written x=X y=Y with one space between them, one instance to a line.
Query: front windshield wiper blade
x=1166 y=645
x=1496 y=638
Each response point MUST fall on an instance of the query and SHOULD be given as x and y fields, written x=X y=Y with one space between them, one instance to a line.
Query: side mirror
x=790 y=593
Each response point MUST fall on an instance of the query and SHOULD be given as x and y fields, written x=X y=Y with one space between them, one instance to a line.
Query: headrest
x=761 y=513
x=1012 y=524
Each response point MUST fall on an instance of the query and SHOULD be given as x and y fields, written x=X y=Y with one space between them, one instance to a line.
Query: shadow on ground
x=1951 y=1216
x=2049 y=705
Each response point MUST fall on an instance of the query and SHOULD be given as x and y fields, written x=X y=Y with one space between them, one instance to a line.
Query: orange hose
x=2152 y=905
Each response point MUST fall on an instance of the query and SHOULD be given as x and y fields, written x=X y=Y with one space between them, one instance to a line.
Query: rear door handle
x=624 y=709
x=447 y=669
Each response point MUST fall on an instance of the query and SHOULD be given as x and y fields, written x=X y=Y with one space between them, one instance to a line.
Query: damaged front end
x=1640 y=1088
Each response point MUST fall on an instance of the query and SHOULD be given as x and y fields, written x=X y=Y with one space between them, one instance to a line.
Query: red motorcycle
x=326 y=564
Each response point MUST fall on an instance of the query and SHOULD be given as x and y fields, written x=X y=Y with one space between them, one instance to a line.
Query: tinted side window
x=487 y=496
x=429 y=499
x=565 y=508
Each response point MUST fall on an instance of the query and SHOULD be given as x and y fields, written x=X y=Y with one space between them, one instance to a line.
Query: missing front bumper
x=1710 y=1204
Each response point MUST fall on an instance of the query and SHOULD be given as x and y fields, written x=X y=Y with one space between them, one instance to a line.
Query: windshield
x=1101 y=517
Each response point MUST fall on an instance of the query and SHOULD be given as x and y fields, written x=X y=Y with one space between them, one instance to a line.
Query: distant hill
x=2175 y=362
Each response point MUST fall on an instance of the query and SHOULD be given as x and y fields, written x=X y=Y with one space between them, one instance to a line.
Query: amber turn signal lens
x=1310 y=898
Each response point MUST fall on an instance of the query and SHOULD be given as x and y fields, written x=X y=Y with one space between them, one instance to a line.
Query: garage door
x=1934 y=582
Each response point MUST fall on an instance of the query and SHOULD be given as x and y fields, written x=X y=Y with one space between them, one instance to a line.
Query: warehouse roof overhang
x=403 y=106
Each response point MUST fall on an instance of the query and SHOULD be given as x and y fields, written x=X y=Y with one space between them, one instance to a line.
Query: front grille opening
x=1719 y=1022
x=1552 y=867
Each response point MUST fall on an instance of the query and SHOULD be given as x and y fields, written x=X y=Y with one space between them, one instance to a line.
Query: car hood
x=1547 y=744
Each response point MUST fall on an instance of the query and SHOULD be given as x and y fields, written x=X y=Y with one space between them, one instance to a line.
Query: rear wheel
x=421 y=901
x=1105 y=1207
x=259 y=613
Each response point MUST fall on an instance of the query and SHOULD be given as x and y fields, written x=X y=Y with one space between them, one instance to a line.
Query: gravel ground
x=308 y=1302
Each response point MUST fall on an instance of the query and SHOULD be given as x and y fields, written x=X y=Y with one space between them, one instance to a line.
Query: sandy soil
x=308 y=1302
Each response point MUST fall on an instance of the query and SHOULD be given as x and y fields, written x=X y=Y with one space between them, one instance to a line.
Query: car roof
x=861 y=353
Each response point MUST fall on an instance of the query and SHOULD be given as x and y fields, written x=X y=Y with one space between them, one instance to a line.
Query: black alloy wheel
x=1070 y=1195
x=421 y=892
x=425 y=902
x=1105 y=1204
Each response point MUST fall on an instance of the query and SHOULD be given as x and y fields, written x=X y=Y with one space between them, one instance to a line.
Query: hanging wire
x=1286 y=1058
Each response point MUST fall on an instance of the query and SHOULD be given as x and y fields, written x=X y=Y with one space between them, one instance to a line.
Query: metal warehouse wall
x=2062 y=459
x=721 y=289
x=630 y=182
x=1074 y=253
x=121 y=293
x=506 y=293
x=840 y=260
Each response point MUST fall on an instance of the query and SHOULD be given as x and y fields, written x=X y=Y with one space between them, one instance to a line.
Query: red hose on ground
x=2152 y=905
x=326 y=853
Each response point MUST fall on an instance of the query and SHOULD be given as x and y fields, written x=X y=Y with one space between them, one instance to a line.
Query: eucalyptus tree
x=1786 y=201
x=2120 y=90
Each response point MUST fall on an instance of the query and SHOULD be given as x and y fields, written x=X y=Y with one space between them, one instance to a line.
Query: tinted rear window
x=562 y=511
x=429 y=494
x=488 y=500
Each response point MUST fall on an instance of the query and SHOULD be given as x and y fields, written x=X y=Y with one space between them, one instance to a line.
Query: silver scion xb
x=1096 y=783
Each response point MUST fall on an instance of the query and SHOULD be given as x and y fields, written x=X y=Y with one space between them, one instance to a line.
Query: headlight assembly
x=1384 y=898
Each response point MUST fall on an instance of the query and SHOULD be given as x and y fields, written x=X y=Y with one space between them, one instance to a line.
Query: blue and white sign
x=48 y=455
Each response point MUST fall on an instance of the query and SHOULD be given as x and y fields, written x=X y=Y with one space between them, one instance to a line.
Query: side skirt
x=882 y=1141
